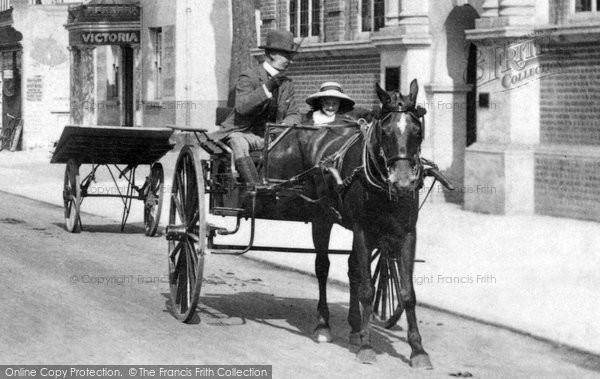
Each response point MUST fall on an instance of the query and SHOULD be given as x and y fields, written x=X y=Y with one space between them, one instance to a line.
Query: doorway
x=11 y=85
x=127 y=86
x=471 y=80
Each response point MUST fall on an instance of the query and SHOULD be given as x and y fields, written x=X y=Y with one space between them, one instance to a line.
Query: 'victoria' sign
x=107 y=38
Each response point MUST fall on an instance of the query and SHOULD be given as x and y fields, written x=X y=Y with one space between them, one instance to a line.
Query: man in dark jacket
x=263 y=94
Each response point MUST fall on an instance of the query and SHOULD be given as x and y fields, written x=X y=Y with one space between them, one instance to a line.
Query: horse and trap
x=363 y=176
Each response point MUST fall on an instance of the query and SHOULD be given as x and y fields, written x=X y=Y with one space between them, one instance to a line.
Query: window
x=587 y=5
x=305 y=18
x=372 y=15
x=392 y=79
x=156 y=35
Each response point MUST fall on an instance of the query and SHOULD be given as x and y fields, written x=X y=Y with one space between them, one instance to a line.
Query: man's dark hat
x=280 y=40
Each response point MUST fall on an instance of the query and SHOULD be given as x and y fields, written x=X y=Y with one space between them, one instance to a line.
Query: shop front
x=104 y=40
x=10 y=67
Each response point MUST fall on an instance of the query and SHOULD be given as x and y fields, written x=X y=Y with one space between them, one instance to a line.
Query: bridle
x=376 y=164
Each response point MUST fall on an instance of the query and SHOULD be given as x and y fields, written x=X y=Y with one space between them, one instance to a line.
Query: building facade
x=509 y=85
x=149 y=63
x=34 y=60
x=186 y=54
x=362 y=42
x=539 y=64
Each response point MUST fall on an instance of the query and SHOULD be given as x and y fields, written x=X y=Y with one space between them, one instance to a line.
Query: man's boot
x=249 y=175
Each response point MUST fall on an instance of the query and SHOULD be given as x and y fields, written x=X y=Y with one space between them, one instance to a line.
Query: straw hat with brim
x=281 y=40
x=331 y=89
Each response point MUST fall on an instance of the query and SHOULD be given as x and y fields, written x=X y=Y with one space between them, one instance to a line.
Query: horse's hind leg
x=321 y=231
x=418 y=357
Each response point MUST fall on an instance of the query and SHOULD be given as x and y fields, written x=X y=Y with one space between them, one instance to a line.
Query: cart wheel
x=387 y=304
x=186 y=234
x=154 y=199
x=72 y=197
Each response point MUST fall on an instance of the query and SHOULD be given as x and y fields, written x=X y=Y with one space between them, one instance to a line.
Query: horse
x=368 y=182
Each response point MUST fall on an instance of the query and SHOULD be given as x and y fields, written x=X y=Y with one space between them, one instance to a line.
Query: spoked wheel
x=154 y=199
x=186 y=233
x=72 y=197
x=387 y=304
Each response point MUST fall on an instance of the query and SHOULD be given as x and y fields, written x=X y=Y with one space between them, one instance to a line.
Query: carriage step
x=218 y=229
x=223 y=211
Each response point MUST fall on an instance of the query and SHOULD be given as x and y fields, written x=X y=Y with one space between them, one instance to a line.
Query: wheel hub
x=176 y=233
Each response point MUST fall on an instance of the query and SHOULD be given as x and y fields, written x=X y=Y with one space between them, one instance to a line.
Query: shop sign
x=108 y=38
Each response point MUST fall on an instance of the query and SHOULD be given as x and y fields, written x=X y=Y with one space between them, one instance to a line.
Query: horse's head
x=397 y=138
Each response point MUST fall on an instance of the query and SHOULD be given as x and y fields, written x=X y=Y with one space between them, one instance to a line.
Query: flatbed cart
x=120 y=150
x=205 y=181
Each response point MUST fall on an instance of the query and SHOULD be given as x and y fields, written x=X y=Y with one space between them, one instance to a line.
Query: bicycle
x=11 y=133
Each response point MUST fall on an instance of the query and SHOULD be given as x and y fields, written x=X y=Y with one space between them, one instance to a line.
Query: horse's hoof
x=322 y=334
x=421 y=361
x=355 y=339
x=366 y=354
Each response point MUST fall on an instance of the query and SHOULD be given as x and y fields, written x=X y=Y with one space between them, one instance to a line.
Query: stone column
x=446 y=138
x=137 y=86
x=517 y=12
x=499 y=167
x=490 y=8
x=87 y=84
x=489 y=16
x=413 y=16
x=392 y=11
x=75 y=105
x=406 y=23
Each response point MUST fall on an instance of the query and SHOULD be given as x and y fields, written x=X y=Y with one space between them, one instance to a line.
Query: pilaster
x=406 y=24
x=87 y=83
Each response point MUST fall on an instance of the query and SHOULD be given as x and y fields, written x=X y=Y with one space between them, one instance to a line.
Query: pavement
x=536 y=275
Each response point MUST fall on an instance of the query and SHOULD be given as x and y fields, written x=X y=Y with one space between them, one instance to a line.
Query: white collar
x=270 y=69
x=321 y=118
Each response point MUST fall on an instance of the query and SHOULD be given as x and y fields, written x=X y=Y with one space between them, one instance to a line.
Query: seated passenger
x=328 y=105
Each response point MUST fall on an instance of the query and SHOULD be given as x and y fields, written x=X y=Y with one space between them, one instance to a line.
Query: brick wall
x=357 y=75
x=268 y=17
x=283 y=14
x=566 y=185
x=567 y=165
x=570 y=96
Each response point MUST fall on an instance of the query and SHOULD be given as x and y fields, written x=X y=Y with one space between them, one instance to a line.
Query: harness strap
x=337 y=159
x=369 y=156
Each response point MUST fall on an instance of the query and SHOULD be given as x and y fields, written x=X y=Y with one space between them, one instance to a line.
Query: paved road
x=100 y=297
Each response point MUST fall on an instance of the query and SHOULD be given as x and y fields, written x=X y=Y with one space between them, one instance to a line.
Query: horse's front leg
x=361 y=296
x=321 y=231
x=418 y=357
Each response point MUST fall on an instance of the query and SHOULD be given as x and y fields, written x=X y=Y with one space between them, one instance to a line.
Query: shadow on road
x=293 y=315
